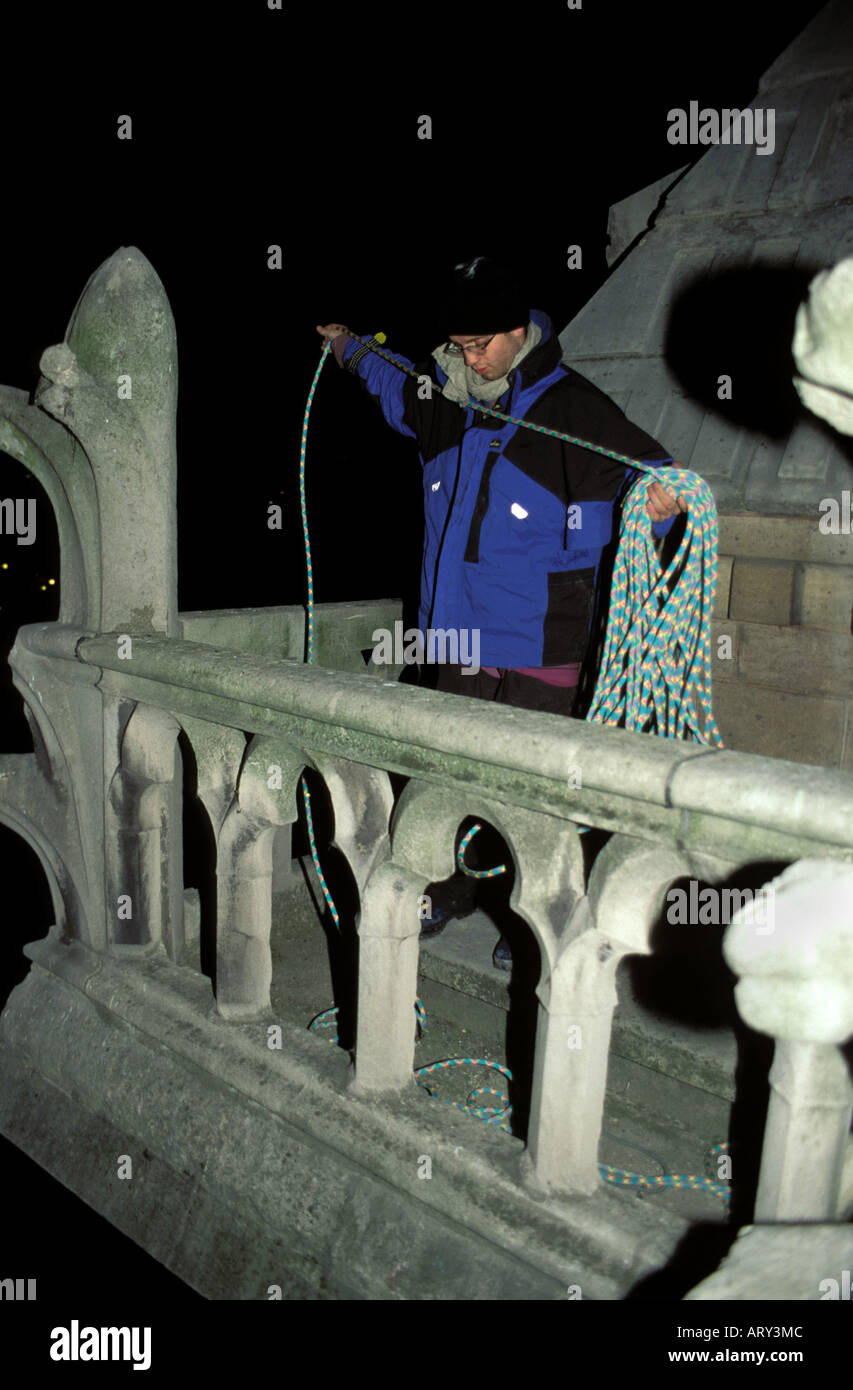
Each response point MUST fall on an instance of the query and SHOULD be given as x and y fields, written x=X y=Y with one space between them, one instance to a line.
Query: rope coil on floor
x=499 y=1114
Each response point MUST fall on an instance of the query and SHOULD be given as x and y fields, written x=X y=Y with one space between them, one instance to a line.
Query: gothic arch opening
x=315 y=959
x=473 y=1008
x=199 y=851
x=29 y=582
x=29 y=911
x=700 y=1074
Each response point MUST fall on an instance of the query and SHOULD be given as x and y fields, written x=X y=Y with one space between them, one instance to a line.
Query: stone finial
x=796 y=959
x=823 y=346
x=113 y=384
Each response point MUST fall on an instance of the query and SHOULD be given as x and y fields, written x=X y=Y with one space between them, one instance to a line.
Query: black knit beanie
x=483 y=297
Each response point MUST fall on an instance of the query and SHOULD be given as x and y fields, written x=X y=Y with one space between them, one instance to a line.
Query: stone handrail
x=711 y=800
x=531 y=776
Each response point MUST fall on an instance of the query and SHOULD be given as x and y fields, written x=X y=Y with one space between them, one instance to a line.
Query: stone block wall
x=783 y=685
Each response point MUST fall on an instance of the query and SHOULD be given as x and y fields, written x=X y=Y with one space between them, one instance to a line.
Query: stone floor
x=670 y=1085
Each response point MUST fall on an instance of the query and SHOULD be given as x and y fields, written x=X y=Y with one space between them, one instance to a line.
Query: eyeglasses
x=477 y=348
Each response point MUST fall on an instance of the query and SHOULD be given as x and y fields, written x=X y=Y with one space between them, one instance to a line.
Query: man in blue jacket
x=516 y=521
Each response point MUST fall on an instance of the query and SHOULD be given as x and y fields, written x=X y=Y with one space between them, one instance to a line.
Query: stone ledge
x=781 y=790
x=368 y=1247
x=627 y=776
x=341 y=630
x=349 y=1154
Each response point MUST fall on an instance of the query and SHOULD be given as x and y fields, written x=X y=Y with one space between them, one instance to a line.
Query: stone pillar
x=387 y=980
x=576 y=1003
x=143 y=841
x=806 y=1135
x=113 y=384
x=570 y=1072
x=267 y=776
x=136 y=912
x=243 y=915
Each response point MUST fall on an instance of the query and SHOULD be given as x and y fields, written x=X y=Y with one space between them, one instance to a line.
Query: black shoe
x=502 y=955
x=454 y=897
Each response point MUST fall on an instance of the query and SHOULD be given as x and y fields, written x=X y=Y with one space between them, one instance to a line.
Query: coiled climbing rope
x=499 y=1112
x=656 y=661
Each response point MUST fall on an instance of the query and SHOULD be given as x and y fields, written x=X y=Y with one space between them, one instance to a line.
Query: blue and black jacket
x=516 y=522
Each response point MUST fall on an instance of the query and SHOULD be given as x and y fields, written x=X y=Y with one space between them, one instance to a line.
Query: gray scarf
x=463 y=381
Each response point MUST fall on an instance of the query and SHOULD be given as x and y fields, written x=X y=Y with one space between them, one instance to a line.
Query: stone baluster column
x=387 y=980
x=794 y=954
x=243 y=914
x=806 y=1135
x=143 y=842
x=570 y=1072
x=422 y=837
x=576 y=1003
x=266 y=799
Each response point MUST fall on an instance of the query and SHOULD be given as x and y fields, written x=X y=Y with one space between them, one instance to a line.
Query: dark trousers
x=511 y=688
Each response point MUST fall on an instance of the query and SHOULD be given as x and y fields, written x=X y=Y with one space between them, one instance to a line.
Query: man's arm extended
x=382 y=381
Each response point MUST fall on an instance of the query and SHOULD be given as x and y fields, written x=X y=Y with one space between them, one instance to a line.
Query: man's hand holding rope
x=661 y=504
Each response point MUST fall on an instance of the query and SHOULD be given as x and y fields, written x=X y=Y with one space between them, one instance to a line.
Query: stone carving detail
x=796 y=983
x=823 y=346
x=143 y=836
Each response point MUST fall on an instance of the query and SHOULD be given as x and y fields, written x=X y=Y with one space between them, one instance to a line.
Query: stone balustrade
x=676 y=811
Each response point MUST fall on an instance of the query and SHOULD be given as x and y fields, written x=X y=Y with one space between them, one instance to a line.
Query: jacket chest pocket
x=512 y=516
x=568 y=616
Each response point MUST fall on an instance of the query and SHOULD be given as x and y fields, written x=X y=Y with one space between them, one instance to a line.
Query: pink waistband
x=551 y=675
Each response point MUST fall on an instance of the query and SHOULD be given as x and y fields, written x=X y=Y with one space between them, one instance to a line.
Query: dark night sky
x=299 y=128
